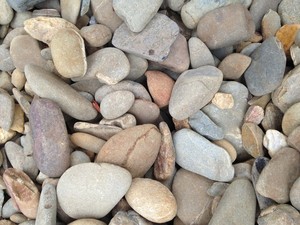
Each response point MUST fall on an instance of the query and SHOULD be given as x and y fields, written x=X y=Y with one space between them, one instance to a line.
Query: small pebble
x=273 y=117
x=127 y=218
x=223 y=100
x=274 y=141
x=271 y=22
x=87 y=222
x=7 y=110
x=70 y=11
x=6 y=61
x=291 y=119
x=18 y=79
x=254 y=114
x=7 y=12
x=138 y=67
x=96 y=35
x=78 y=157
x=124 y=122
x=87 y=141
x=252 y=137
x=144 y=111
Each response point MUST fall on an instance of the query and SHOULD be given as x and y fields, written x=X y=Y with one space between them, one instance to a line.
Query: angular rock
x=96 y=35
x=144 y=111
x=286 y=35
x=270 y=24
x=291 y=119
x=254 y=114
x=274 y=141
x=288 y=11
x=252 y=137
x=223 y=100
x=87 y=141
x=7 y=110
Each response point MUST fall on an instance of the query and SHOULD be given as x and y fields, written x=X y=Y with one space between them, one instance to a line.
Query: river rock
x=18 y=79
x=252 y=138
x=193 y=202
x=239 y=197
x=293 y=138
x=87 y=141
x=291 y=119
x=295 y=54
x=295 y=194
x=287 y=11
x=128 y=148
x=274 y=141
x=7 y=12
x=144 y=111
x=228 y=147
x=47 y=85
x=270 y=24
x=175 y=5
x=78 y=157
x=128 y=218
x=87 y=222
x=201 y=156
x=254 y=114
x=6 y=62
x=78 y=191
x=203 y=82
x=147 y=43
x=51 y=150
x=23 y=5
x=15 y=155
x=218 y=33
x=286 y=35
x=146 y=193
x=70 y=11
x=271 y=68
x=223 y=100
x=124 y=122
x=96 y=35
x=285 y=164
x=273 y=117
x=7 y=110
x=138 y=67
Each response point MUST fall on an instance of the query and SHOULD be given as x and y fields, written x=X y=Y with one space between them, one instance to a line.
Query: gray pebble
x=23 y=5
x=9 y=209
x=15 y=155
x=78 y=157
x=138 y=67
x=6 y=63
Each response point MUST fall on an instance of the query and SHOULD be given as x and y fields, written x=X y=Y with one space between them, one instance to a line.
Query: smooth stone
x=266 y=70
x=22 y=100
x=5 y=81
x=217 y=189
x=96 y=35
x=278 y=215
x=285 y=164
x=18 y=79
x=221 y=53
x=138 y=14
x=20 y=54
x=46 y=213
x=218 y=33
x=129 y=147
x=7 y=110
x=242 y=171
x=203 y=125
x=19 y=18
x=147 y=43
x=234 y=65
x=6 y=135
x=128 y=218
x=85 y=6
x=45 y=12
x=48 y=85
x=293 y=139
x=160 y=86
x=44 y=28
x=200 y=55
x=249 y=49
x=295 y=194
x=175 y=5
x=273 y=141
x=144 y=111
x=146 y=193
x=87 y=141
x=286 y=35
x=297 y=38
x=193 y=202
x=70 y=10
x=79 y=157
x=139 y=91
x=104 y=14
x=12 y=34
x=23 y=5
x=295 y=54
x=90 y=86
x=194 y=89
x=254 y=114
x=78 y=191
x=28 y=222
x=7 y=12
x=68 y=53
x=228 y=147
x=6 y=62
x=252 y=138
x=223 y=100
x=261 y=101
x=18 y=218
x=138 y=67
x=87 y=222
x=291 y=119
x=124 y=122
x=201 y=156
x=6 y=222
x=9 y=208
x=271 y=22
x=46 y=53
x=116 y=104
x=287 y=10
x=239 y=197
x=273 y=117
x=15 y=155
x=51 y=150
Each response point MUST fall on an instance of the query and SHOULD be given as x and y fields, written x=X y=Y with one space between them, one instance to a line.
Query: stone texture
x=144 y=194
x=288 y=11
x=266 y=70
x=135 y=149
x=273 y=117
x=87 y=141
x=223 y=100
x=147 y=44
x=271 y=22
x=254 y=114
x=252 y=138
x=273 y=141
x=286 y=35
x=70 y=10
x=291 y=119
x=7 y=110
x=193 y=90
x=293 y=139
x=138 y=67
x=144 y=111
x=96 y=35
x=6 y=62
x=124 y=122
x=218 y=33
x=23 y=5
x=78 y=191
x=277 y=178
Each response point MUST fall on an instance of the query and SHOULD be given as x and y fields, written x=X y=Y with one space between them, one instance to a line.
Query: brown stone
x=293 y=139
x=291 y=119
x=273 y=117
x=18 y=122
x=228 y=147
x=181 y=124
x=252 y=138
x=254 y=114
x=286 y=35
x=6 y=135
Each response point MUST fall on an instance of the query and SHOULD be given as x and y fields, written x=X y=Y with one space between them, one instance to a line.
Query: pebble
x=19 y=18
x=144 y=111
x=45 y=12
x=202 y=156
x=145 y=193
x=12 y=34
x=46 y=213
x=15 y=155
x=217 y=189
x=239 y=197
x=175 y=5
x=295 y=194
x=193 y=202
x=23 y=191
x=47 y=85
x=70 y=11
x=7 y=222
x=87 y=141
x=293 y=138
x=124 y=122
x=228 y=147
x=96 y=35
x=79 y=157
x=128 y=218
x=147 y=43
x=135 y=149
x=5 y=81
x=203 y=83
x=252 y=137
x=223 y=100
x=261 y=101
x=7 y=12
x=203 y=125
x=136 y=15
x=291 y=119
x=249 y=49
x=266 y=70
x=68 y=53
x=90 y=85
x=287 y=10
x=273 y=117
x=200 y=55
x=87 y=222
x=18 y=218
x=18 y=79
x=138 y=67
x=242 y=171
x=286 y=35
x=234 y=65
x=228 y=31
x=116 y=104
x=6 y=135
x=6 y=63
x=295 y=54
x=23 y=5
x=254 y=114
x=22 y=100
x=274 y=141
x=9 y=208
x=160 y=86
x=285 y=164
x=7 y=110
x=271 y=22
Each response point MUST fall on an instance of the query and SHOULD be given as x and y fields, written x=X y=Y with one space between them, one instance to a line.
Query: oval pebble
x=87 y=141
x=96 y=35
x=144 y=111
x=291 y=119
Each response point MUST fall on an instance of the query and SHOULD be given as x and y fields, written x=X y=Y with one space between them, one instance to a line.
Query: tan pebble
x=87 y=141
x=286 y=35
x=256 y=38
x=291 y=119
x=254 y=114
x=228 y=147
x=215 y=203
x=261 y=101
x=87 y=222
x=18 y=79
x=18 y=218
x=144 y=111
x=252 y=138
x=70 y=10
x=6 y=135
x=6 y=222
x=96 y=35
x=2 y=184
x=18 y=122
x=5 y=81
x=223 y=100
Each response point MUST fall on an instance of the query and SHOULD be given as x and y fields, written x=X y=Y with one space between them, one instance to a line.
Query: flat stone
x=128 y=218
x=45 y=12
x=70 y=11
x=85 y=6
x=96 y=35
x=7 y=110
x=218 y=33
x=274 y=141
x=144 y=111
x=147 y=43
x=87 y=222
x=78 y=191
x=202 y=157
x=136 y=15
x=223 y=100
x=135 y=149
x=124 y=122
x=116 y=104
x=193 y=90
x=203 y=125
x=79 y=157
x=193 y=202
x=252 y=138
x=51 y=150
x=147 y=193
x=291 y=119
x=200 y=55
x=271 y=22
x=18 y=79
x=18 y=218
x=6 y=62
x=68 y=53
x=138 y=67
x=160 y=86
x=287 y=11
x=47 y=85
x=87 y=141
x=285 y=164
x=266 y=70
x=239 y=197
x=286 y=35
x=15 y=155
x=273 y=117
x=293 y=138
x=7 y=12
x=254 y=114
x=234 y=65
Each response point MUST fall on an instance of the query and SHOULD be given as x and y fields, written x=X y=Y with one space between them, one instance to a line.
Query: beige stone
x=87 y=222
x=6 y=135
x=18 y=122
x=291 y=119
x=223 y=100
x=96 y=35
x=18 y=79
x=293 y=139
x=87 y=141
x=70 y=10
x=228 y=147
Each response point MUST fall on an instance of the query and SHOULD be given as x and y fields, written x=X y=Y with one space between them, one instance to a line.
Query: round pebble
x=96 y=35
